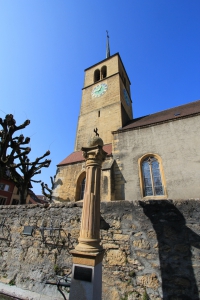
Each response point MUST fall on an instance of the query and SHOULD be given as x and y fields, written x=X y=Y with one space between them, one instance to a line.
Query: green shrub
x=132 y=273
x=12 y=282
x=145 y=296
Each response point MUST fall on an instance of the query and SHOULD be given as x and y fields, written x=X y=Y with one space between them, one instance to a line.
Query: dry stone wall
x=152 y=248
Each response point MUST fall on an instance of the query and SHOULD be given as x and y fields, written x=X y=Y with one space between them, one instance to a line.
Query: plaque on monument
x=84 y=274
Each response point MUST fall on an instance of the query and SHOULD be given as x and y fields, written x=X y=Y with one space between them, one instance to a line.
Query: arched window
x=96 y=75
x=103 y=72
x=152 y=177
x=82 y=189
x=80 y=186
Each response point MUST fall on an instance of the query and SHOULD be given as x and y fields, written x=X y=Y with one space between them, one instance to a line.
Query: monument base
x=86 y=282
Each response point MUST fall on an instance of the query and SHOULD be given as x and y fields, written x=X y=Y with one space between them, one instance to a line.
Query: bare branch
x=12 y=148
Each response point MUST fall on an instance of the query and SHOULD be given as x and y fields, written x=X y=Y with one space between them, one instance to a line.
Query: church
x=152 y=157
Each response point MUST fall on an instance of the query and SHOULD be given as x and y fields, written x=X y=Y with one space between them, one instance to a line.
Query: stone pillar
x=90 y=224
x=88 y=255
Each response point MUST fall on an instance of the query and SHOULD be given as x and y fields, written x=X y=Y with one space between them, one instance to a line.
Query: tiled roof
x=107 y=164
x=171 y=114
x=77 y=156
x=34 y=199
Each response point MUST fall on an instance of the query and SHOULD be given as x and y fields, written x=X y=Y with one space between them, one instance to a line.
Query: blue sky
x=45 y=45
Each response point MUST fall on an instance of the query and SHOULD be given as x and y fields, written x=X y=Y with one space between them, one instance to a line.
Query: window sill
x=163 y=197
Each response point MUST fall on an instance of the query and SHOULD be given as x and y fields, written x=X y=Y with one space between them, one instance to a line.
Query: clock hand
x=98 y=88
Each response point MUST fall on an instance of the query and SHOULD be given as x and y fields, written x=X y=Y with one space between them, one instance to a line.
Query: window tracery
x=151 y=176
x=82 y=189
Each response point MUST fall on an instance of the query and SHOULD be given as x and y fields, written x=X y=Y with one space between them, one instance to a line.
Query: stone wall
x=151 y=247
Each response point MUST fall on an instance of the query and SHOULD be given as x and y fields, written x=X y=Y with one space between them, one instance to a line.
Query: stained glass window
x=152 y=177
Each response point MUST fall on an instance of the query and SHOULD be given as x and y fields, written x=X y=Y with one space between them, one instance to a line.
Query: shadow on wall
x=57 y=183
x=178 y=245
x=119 y=183
x=55 y=198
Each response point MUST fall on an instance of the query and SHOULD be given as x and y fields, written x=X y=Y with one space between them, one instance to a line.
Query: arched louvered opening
x=96 y=75
x=103 y=72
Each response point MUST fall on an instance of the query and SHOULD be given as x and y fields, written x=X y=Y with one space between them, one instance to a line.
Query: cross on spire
x=96 y=131
x=107 y=46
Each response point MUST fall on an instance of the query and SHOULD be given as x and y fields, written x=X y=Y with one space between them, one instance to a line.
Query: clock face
x=99 y=90
x=126 y=97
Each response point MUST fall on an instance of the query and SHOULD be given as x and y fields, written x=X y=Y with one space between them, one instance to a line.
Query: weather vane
x=96 y=131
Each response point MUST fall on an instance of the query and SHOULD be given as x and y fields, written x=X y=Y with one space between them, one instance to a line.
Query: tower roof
x=107 y=45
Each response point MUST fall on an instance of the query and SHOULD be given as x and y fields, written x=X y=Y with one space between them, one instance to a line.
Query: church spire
x=107 y=46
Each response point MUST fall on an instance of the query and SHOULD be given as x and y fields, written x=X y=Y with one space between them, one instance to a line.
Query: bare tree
x=11 y=147
x=13 y=157
x=46 y=189
x=24 y=171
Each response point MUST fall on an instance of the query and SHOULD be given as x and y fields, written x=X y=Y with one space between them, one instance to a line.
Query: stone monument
x=86 y=281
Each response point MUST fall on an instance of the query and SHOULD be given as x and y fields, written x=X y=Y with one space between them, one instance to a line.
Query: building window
x=80 y=186
x=96 y=75
x=4 y=187
x=152 y=177
x=15 y=202
x=2 y=200
x=103 y=72
x=82 y=189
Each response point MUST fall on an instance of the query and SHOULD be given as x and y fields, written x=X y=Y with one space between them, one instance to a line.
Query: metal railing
x=63 y=281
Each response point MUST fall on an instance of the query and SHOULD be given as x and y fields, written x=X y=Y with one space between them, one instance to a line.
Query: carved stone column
x=90 y=224
x=86 y=281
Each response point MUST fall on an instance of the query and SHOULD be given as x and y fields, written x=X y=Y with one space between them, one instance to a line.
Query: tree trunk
x=23 y=194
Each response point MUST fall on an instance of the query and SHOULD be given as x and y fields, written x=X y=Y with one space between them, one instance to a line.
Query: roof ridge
x=76 y=156
x=168 y=115
x=174 y=107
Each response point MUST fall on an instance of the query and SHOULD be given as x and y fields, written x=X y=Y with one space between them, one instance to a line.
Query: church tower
x=106 y=101
x=106 y=104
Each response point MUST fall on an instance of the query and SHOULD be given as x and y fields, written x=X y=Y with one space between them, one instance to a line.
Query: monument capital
x=94 y=155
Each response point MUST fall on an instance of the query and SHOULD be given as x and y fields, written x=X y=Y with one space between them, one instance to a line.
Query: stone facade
x=176 y=143
x=67 y=186
x=151 y=247
x=103 y=112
